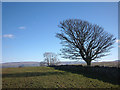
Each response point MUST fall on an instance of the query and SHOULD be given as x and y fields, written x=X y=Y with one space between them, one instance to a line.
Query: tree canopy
x=83 y=40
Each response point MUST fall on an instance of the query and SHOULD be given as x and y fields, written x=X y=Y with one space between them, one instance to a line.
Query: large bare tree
x=50 y=58
x=83 y=40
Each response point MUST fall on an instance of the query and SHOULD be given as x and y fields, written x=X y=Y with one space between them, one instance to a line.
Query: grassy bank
x=59 y=77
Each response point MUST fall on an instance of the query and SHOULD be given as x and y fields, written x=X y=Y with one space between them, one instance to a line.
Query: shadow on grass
x=31 y=74
x=105 y=74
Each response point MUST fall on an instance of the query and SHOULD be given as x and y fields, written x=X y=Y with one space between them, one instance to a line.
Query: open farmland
x=65 y=76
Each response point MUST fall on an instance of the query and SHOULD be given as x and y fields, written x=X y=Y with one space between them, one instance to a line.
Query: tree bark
x=88 y=62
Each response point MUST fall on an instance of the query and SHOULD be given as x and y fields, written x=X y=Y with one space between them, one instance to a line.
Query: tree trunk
x=88 y=62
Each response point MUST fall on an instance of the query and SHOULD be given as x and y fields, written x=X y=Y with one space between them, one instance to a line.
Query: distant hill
x=33 y=64
x=109 y=63
x=20 y=64
x=71 y=62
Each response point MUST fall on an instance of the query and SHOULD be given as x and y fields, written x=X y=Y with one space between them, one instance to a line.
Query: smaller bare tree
x=51 y=58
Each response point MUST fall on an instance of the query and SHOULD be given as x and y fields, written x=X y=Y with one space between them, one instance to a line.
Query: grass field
x=58 y=77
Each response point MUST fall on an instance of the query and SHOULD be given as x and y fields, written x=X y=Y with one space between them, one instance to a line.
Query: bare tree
x=83 y=40
x=51 y=58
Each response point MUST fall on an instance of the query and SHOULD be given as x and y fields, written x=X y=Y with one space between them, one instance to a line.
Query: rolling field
x=59 y=77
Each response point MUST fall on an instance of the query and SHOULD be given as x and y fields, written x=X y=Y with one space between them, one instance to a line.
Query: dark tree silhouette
x=83 y=40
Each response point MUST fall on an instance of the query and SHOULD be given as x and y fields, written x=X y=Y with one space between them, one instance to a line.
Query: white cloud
x=22 y=27
x=118 y=41
x=8 y=35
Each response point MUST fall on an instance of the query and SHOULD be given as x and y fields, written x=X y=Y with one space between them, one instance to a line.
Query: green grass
x=49 y=77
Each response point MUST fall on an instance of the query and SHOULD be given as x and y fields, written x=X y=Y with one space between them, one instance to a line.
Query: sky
x=29 y=29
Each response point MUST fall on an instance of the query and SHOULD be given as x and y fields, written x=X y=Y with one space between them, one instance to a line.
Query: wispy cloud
x=118 y=41
x=8 y=35
x=22 y=27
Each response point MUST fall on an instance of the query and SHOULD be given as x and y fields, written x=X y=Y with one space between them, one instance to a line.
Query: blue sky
x=29 y=29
